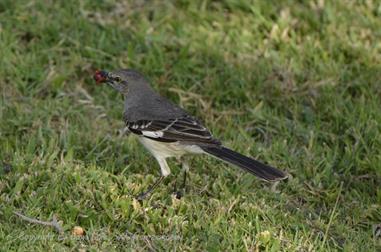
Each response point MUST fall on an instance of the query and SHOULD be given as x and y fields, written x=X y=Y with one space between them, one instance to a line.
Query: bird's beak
x=100 y=76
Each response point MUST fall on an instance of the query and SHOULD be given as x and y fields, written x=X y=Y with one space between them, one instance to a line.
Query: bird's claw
x=142 y=196
x=178 y=194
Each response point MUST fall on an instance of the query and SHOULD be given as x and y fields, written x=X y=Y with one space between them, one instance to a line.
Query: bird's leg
x=185 y=168
x=165 y=171
x=143 y=195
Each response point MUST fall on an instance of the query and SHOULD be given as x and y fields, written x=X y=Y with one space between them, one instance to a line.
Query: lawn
x=296 y=84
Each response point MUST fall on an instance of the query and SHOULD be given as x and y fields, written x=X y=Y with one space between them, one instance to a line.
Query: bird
x=167 y=130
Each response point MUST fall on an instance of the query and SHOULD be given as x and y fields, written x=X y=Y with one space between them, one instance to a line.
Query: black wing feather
x=184 y=129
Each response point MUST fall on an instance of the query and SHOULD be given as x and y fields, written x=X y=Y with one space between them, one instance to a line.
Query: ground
x=295 y=84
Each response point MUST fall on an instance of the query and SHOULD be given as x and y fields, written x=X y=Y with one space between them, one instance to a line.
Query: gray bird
x=167 y=130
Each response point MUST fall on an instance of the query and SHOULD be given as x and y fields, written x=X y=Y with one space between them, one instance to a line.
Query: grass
x=292 y=83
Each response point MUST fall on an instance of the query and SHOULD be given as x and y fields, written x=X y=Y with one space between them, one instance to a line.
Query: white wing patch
x=153 y=134
x=146 y=125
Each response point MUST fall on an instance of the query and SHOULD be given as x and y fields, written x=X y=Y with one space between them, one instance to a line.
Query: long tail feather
x=253 y=166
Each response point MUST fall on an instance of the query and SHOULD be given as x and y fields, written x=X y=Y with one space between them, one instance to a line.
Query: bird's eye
x=117 y=79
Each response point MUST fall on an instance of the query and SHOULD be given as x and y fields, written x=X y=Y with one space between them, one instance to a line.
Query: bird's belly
x=165 y=150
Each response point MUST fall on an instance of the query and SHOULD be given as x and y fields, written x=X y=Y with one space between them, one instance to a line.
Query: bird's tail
x=260 y=170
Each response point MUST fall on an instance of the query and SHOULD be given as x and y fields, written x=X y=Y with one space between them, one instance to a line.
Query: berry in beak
x=100 y=76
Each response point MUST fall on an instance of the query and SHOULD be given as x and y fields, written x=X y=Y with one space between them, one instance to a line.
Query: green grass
x=295 y=84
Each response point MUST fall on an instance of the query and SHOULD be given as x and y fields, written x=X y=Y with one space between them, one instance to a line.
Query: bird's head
x=121 y=80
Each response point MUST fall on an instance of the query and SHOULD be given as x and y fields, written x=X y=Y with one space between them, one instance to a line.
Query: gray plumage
x=143 y=103
x=167 y=130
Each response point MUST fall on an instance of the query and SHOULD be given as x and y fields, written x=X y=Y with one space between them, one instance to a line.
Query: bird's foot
x=148 y=193
x=142 y=196
x=178 y=193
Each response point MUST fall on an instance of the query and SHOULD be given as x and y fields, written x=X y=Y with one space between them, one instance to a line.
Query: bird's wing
x=183 y=129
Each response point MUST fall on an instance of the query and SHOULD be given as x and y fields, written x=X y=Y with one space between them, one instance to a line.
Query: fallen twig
x=54 y=223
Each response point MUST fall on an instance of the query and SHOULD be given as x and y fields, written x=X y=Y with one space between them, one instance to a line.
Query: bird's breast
x=165 y=150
